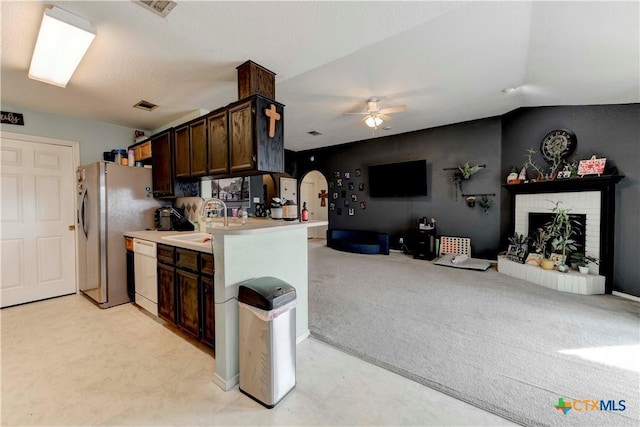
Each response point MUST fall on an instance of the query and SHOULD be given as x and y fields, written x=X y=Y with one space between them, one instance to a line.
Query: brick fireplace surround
x=593 y=196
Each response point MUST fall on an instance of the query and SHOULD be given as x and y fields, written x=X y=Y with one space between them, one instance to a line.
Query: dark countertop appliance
x=168 y=218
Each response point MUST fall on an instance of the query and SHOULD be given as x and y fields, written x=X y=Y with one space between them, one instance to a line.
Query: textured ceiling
x=446 y=61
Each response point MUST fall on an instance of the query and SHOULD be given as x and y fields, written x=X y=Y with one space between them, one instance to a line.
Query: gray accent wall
x=476 y=142
x=611 y=131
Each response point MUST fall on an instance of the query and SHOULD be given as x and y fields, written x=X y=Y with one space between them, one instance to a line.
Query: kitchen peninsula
x=261 y=247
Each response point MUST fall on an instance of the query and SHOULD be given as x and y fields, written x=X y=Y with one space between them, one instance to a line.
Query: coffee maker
x=168 y=218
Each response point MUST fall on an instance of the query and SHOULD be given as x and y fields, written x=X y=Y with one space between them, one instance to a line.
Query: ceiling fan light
x=373 y=122
x=62 y=42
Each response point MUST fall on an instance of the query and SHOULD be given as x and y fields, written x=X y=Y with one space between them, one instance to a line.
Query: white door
x=310 y=188
x=37 y=241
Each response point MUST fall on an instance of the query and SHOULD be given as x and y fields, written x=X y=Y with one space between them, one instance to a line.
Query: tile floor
x=66 y=362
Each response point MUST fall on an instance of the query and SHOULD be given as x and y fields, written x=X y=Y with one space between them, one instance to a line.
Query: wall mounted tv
x=404 y=179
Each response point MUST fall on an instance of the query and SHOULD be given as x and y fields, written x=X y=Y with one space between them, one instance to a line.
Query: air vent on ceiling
x=161 y=8
x=314 y=133
x=145 y=105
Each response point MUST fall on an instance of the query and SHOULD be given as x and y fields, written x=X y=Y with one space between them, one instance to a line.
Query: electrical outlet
x=402 y=240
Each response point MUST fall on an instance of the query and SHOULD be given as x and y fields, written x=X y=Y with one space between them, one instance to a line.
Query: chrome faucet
x=206 y=207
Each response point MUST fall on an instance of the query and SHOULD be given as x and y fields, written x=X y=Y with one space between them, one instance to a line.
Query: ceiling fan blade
x=396 y=109
x=385 y=118
x=365 y=113
x=363 y=119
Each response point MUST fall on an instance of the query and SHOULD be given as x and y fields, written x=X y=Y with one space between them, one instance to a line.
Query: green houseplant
x=464 y=173
x=561 y=232
x=582 y=261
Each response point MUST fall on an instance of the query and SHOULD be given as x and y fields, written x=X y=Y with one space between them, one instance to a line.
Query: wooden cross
x=322 y=195
x=273 y=118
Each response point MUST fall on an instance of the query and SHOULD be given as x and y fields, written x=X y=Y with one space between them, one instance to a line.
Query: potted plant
x=485 y=204
x=276 y=207
x=540 y=245
x=582 y=261
x=561 y=231
x=464 y=173
x=471 y=201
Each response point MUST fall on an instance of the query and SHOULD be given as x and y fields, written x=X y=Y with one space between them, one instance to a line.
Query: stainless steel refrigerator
x=112 y=199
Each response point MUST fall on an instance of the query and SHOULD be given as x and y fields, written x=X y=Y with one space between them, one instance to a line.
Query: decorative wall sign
x=351 y=186
x=347 y=175
x=592 y=166
x=363 y=205
x=12 y=118
x=339 y=182
x=336 y=174
x=358 y=172
x=354 y=197
x=361 y=187
x=351 y=211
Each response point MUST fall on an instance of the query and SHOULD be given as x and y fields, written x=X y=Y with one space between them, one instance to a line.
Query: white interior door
x=37 y=241
x=310 y=187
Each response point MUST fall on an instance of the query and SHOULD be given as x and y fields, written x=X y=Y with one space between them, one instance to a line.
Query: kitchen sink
x=194 y=238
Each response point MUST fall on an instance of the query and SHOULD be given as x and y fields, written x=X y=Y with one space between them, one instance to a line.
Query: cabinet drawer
x=206 y=264
x=187 y=259
x=166 y=254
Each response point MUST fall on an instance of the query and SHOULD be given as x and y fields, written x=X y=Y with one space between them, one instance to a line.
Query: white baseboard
x=303 y=337
x=627 y=296
x=224 y=384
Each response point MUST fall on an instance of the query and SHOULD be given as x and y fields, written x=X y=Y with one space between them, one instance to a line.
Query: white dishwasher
x=146 y=275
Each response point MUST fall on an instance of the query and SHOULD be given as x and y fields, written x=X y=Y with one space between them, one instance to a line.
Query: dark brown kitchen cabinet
x=218 y=143
x=191 y=291
x=198 y=137
x=166 y=293
x=162 y=172
x=182 y=152
x=256 y=142
x=187 y=285
x=191 y=149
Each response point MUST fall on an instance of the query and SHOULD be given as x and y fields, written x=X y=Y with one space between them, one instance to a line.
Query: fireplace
x=593 y=197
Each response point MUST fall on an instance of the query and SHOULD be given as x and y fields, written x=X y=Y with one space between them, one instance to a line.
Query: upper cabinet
x=162 y=172
x=182 y=150
x=191 y=149
x=198 y=137
x=256 y=143
x=218 y=143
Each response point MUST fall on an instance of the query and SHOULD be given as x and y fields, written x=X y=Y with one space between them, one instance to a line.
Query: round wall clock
x=560 y=142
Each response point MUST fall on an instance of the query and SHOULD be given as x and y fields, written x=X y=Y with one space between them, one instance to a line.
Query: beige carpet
x=504 y=345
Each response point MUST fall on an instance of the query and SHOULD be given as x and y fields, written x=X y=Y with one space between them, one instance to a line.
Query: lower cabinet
x=185 y=291
x=187 y=285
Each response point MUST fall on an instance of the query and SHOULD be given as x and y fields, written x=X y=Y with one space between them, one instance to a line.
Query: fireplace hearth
x=592 y=196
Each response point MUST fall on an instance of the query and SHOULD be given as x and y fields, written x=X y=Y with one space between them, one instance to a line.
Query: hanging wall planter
x=471 y=201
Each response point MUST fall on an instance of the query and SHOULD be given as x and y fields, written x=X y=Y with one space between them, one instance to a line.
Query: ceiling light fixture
x=62 y=42
x=373 y=121
x=508 y=89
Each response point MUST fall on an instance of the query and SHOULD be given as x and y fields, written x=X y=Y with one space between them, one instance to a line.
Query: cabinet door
x=181 y=154
x=162 y=171
x=218 y=141
x=187 y=296
x=241 y=137
x=166 y=293
x=198 y=136
x=208 y=312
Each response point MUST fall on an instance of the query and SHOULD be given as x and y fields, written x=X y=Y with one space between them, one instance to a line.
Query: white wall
x=93 y=137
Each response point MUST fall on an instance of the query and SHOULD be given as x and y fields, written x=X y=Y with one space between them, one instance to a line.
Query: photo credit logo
x=588 y=405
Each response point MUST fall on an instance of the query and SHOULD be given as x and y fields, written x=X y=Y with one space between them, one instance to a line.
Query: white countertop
x=252 y=226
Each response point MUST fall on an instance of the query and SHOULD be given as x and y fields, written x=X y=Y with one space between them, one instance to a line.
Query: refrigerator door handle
x=81 y=213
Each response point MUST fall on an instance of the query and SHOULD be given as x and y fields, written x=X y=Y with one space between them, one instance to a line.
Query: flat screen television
x=404 y=179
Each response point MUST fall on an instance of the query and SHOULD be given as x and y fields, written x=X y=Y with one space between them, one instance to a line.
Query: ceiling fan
x=374 y=116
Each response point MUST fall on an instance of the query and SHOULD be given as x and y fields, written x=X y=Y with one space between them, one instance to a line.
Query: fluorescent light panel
x=62 y=42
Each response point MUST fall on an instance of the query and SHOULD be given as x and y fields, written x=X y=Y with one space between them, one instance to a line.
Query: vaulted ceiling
x=448 y=62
